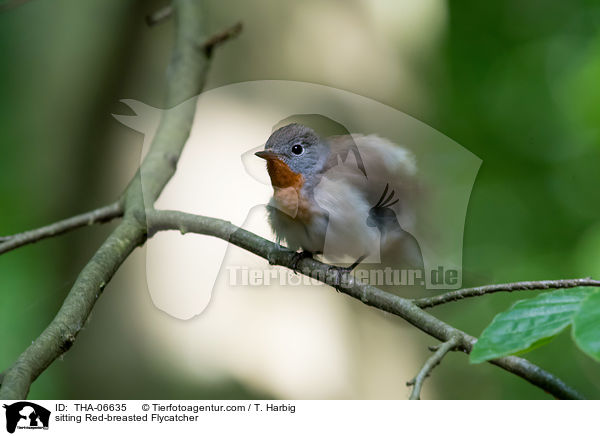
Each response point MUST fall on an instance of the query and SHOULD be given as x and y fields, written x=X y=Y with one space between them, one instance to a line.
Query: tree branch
x=504 y=287
x=61 y=332
x=369 y=295
x=431 y=363
x=100 y=215
x=222 y=37
x=187 y=75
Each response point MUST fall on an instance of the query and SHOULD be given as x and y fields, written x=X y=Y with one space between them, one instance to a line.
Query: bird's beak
x=266 y=154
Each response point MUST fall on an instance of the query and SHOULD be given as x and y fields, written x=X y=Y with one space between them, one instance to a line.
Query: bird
x=327 y=194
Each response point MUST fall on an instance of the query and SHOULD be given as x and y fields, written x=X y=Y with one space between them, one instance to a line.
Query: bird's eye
x=297 y=149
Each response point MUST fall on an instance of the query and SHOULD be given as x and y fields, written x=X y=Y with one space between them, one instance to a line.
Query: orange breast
x=282 y=176
x=287 y=187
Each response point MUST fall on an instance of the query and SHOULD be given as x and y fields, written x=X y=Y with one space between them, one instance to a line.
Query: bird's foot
x=298 y=256
x=339 y=274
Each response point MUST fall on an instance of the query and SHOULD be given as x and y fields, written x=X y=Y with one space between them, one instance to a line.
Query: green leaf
x=529 y=323
x=586 y=325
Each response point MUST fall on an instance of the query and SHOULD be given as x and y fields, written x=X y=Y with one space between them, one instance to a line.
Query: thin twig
x=221 y=37
x=188 y=71
x=369 y=295
x=100 y=215
x=159 y=16
x=431 y=363
x=504 y=287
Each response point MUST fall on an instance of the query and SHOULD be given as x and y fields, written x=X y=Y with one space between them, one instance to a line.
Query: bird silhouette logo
x=26 y=415
x=369 y=145
x=383 y=217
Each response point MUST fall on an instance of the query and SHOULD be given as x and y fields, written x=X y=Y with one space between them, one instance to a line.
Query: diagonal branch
x=116 y=209
x=187 y=75
x=369 y=295
x=100 y=215
x=503 y=287
x=219 y=38
x=70 y=319
x=432 y=362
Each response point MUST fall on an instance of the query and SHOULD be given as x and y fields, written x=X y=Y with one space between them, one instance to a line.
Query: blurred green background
x=516 y=83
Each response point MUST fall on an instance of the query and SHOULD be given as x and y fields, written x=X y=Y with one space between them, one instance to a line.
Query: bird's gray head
x=299 y=147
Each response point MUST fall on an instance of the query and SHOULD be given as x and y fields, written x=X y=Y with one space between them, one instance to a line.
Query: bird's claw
x=297 y=257
x=339 y=274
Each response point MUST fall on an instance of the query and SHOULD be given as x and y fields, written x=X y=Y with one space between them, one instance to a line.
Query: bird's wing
x=384 y=162
x=358 y=171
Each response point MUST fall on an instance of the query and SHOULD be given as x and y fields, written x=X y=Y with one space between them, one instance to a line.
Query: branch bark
x=100 y=215
x=431 y=363
x=369 y=295
x=187 y=75
x=503 y=287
